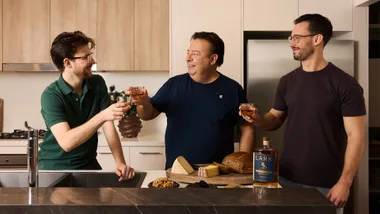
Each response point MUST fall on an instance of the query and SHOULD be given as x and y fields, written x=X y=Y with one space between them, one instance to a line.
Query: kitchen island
x=145 y=200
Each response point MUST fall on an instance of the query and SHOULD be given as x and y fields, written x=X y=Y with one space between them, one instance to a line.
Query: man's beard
x=87 y=73
x=304 y=54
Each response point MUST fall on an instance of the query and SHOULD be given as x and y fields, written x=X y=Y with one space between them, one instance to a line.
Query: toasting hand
x=116 y=111
x=249 y=112
x=139 y=95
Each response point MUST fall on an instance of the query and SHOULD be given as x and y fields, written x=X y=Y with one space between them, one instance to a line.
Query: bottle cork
x=265 y=141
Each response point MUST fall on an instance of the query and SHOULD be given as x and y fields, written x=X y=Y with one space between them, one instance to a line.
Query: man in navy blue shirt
x=201 y=106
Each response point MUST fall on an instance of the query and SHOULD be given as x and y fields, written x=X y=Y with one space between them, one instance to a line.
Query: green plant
x=115 y=96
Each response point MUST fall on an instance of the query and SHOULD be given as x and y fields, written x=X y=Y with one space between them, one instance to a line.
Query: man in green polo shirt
x=74 y=107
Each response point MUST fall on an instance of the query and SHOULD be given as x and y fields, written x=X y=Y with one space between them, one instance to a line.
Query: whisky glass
x=247 y=109
x=136 y=92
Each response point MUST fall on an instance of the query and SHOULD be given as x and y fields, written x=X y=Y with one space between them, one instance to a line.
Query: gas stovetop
x=20 y=134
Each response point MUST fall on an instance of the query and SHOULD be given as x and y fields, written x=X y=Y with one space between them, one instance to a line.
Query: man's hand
x=249 y=112
x=115 y=111
x=125 y=172
x=338 y=194
x=138 y=99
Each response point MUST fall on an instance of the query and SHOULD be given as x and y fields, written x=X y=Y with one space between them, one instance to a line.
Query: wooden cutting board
x=223 y=179
x=1 y=114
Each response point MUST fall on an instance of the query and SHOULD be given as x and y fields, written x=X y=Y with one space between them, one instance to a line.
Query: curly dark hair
x=66 y=44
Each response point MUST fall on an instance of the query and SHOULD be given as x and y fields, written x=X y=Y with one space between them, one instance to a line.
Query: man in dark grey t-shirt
x=325 y=111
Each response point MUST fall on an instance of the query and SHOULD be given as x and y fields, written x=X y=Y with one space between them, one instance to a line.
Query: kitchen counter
x=144 y=139
x=145 y=200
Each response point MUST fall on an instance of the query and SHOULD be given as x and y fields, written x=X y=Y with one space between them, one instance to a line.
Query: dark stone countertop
x=181 y=200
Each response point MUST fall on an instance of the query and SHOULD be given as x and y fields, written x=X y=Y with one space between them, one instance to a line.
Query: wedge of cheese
x=208 y=171
x=181 y=166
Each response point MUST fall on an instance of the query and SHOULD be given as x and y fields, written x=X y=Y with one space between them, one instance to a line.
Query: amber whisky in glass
x=137 y=92
x=265 y=166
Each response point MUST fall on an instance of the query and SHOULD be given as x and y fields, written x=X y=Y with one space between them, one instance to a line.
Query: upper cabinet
x=269 y=15
x=26 y=31
x=133 y=35
x=72 y=15
x=225 y=19
x=1 y=34
x=152 y=35
x=278 y=15
x=341 y=18
x=116 y=24
x=129 y=34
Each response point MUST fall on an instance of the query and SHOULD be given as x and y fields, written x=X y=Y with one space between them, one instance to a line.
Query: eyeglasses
x=296 y=38
x=87 y=57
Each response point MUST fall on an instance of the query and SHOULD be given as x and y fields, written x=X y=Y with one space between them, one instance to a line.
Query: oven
x=13 y=161
x=15 y=158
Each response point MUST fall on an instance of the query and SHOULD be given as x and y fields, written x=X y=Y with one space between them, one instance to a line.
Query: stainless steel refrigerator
x=268 y=60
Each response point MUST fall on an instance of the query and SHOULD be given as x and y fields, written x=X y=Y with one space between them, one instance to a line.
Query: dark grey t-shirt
x=315 y=139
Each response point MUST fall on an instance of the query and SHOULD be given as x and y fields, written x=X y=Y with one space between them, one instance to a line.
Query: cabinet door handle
x=105 y=153
x=150 y=153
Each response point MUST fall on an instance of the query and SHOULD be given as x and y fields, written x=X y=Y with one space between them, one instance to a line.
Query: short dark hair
x=318 y=24
x=66 y=44
x=217 y=44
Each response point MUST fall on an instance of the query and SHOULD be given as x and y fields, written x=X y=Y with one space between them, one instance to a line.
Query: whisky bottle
x=265 y=166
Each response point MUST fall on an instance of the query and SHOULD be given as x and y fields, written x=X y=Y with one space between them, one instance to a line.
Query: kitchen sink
x=20 y=179
x=98 y=180
x=71 y=179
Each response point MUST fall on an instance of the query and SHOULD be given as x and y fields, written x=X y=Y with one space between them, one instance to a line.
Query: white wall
x=22 y=92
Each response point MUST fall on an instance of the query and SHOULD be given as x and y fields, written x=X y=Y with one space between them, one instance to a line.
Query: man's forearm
x=246 y=138
x=79 y=135
x=147 y=111
x=353 y=155
x=269 y=122
x=114 y=143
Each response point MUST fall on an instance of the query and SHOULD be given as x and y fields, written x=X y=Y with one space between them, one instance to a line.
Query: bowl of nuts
x=163 y=183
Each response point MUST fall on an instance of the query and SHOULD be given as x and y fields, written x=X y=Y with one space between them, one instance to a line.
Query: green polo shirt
x=60 y=103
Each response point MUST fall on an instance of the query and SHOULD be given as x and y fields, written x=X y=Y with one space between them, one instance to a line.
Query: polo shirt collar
x=66 y=88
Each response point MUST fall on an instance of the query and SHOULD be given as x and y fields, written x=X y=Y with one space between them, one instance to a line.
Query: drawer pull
x=150 y=153
x=105 y=153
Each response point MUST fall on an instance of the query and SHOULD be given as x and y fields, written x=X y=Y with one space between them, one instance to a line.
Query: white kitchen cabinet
x=340 y=12
x=364 y=3
x=147 y=158
x=225 y=19
x=269 y=15
x=106 y=160
x=278 y=15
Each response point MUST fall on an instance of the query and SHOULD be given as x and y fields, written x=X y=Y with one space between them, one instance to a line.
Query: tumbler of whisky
x=137 y=92
x=247 y=109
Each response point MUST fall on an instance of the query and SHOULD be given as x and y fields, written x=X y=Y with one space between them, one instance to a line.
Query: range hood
x=34 y=67
x=28 y=67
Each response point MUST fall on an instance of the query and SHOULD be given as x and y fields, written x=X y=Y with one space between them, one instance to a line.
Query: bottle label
x=263 y=167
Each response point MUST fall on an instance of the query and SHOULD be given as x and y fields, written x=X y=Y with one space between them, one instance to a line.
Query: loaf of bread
x=237 y=162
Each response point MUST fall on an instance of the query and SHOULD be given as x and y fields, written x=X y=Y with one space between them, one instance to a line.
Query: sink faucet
x=32 y=156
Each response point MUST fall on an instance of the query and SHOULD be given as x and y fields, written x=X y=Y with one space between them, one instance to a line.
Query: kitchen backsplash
x=22 y=93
